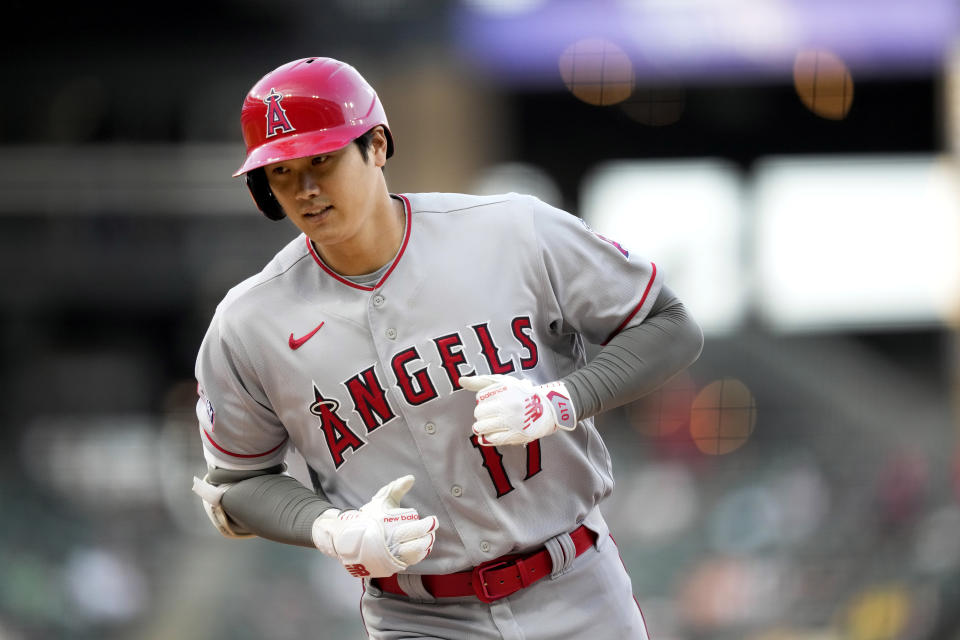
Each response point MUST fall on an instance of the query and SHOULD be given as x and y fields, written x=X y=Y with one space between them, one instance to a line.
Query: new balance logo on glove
x=515 y=411
x=357 y=570
x=533 y=410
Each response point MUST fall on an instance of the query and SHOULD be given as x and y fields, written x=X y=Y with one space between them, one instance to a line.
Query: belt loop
x=412 y=585
x=369 y=585
x=562 y=553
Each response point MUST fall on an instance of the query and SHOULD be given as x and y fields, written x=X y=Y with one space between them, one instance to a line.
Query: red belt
x=495 y=579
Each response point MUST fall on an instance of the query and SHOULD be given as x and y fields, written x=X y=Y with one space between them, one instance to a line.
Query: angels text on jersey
x=418 y=385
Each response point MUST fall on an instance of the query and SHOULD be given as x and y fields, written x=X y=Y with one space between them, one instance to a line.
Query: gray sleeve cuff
x=274 y=506
x=638 y=359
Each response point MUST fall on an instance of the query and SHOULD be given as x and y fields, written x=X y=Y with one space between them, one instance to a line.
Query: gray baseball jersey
x=364 y=380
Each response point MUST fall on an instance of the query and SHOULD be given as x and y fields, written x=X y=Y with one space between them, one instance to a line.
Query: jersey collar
x=396 y=259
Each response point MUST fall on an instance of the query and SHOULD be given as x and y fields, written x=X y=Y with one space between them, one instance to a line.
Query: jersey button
x=391 y=333
x=484 y=546
x=378 y=300
x=456 y=490
x=430 y=428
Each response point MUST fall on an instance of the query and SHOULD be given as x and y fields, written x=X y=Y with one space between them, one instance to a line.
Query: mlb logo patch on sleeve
x=626 y=254
x=207 y=407
x=211 y=414
x=619 y=247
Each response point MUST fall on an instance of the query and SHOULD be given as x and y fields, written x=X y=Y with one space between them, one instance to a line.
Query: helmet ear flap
x=263 y=195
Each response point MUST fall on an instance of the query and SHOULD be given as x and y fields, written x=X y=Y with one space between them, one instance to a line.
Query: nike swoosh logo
x=296 y=343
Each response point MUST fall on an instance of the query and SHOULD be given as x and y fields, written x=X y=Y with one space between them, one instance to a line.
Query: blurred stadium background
x=791 y=165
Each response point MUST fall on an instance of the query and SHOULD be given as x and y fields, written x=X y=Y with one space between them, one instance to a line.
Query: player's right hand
x=379 y=539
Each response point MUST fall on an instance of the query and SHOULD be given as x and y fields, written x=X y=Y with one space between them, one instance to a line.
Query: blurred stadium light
x=823 y=83
x=709 y=40
x=856 y=242
x=832 y=243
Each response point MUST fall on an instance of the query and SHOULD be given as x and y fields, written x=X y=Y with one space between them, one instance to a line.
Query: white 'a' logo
x=277 y=121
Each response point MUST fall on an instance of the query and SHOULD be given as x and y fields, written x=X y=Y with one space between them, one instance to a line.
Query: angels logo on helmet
x=277 y=120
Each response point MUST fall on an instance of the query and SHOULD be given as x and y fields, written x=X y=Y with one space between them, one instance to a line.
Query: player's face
x=333 y=197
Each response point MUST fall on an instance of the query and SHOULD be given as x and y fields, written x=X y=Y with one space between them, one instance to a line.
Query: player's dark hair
x=365 y=142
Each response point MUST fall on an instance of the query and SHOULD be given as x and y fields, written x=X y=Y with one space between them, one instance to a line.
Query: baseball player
x=424 y=353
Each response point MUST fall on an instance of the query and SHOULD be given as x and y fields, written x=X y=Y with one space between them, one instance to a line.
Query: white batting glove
x=515 y=411
x=379 y=539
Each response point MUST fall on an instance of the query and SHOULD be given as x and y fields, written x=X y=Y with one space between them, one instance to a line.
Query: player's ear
x=378 y=146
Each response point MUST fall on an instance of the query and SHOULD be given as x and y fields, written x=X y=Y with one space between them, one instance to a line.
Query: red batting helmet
x=304 y=108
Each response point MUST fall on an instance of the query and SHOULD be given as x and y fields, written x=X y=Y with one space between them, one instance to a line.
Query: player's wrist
x=324 y=530
x=330 y=514
x=558 y=397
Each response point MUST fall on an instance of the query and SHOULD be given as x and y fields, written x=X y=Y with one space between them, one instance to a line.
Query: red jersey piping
x=241 y=455
x=646 y=292
x=403 y=246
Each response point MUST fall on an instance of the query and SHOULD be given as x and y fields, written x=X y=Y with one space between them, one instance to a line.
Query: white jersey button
x=484 y=546
x=377 y=300
x=391 y=333
x=430 y=428
x=456 y=490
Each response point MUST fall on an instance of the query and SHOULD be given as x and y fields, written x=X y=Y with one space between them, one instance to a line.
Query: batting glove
x=515 y=411
x=379 y=539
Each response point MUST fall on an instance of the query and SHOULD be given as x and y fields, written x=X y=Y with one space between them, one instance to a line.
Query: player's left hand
x=516 y=411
